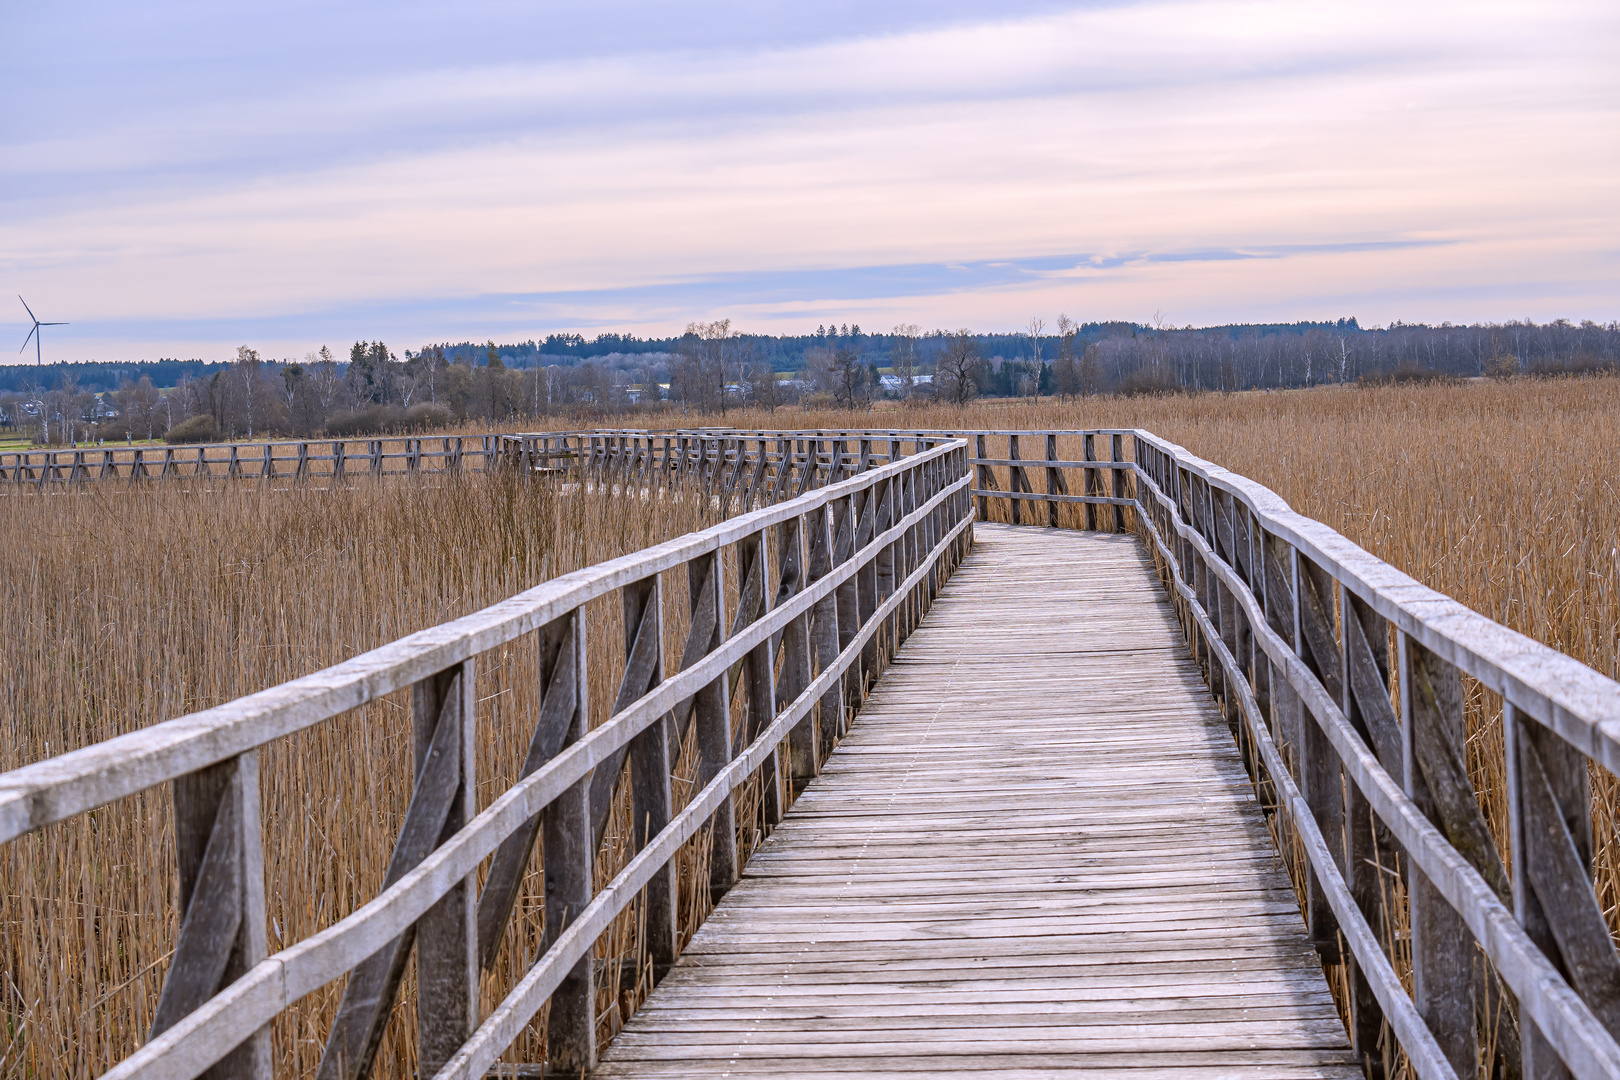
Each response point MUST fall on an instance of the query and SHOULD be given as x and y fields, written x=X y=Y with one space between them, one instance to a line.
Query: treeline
x=713 y=367
x=99 y=376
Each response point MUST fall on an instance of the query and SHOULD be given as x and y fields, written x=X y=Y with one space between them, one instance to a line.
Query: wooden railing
x=303 y=459
x=731 y=465
x=1342 y=678
x=1366 y=757
x=830 y=582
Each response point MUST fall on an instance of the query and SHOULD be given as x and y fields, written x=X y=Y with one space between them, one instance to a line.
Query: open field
x=123 y=609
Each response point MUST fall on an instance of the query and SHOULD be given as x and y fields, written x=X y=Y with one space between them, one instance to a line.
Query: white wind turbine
x=34 y=333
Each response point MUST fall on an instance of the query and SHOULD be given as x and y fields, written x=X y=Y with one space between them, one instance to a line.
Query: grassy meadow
x=125 y=607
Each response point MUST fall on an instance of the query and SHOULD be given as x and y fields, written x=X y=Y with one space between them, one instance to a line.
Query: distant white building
x=892 y=384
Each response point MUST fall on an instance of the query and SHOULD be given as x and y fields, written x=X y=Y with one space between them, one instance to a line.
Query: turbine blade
x=54 y=324
x=26 y=307
x=32 y=331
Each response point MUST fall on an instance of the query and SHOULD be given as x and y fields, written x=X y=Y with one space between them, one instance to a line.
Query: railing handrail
x=1187 y=509
x=1510 y=663
x=1538 y=684
x=898 y=527
x=1580 y=704
x=57 y=788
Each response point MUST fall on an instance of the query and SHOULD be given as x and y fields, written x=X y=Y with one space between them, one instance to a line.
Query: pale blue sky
x=179 y=178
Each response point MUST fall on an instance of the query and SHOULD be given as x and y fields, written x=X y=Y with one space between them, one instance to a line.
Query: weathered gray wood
x=651 y=801
x=363 y=1011
x=222 y=935
x=987 y=478
x=1579 y=1038
x=803 y=958
x=845 y=514
x=569 y=850
x=706 y=589
x=642 y=670
x=804 y=740
x=1118 y=490
x=1554 y=797
x=1320 y=774
x=1365 y=857
x=1016 y=480
x=760 y=675
x=1092 y=485
x=1055 y=484
x=824 y=630
x=1442 y=952
x=447 y=935
x=555 y=727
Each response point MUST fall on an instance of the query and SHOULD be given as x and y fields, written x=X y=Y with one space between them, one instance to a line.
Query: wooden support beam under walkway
x=1036 y=852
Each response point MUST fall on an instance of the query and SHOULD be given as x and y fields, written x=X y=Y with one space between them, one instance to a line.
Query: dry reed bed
x=123 y=609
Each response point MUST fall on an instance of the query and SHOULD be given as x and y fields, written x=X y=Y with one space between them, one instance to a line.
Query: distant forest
x=713 y=366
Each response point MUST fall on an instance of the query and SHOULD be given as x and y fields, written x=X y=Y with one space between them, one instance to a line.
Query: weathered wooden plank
x=1011 y=852
x=363 y=1011
x=569 y=850
x=559 y=714
x=447 y=935
x=217 y=840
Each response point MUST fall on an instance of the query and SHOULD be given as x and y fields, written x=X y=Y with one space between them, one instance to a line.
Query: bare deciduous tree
x=852 y=379
x=1066 y=367
x=959 y=363
x=903 y=357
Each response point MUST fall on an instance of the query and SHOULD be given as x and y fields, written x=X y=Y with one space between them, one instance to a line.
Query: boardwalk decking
x=1036 y=852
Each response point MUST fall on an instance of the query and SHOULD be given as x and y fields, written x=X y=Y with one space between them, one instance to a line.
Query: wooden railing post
x=1286 y=708
x=446 y=937
x=877 y=573
x=1093 y=484
x=784 y=468
x=1016 y=481
x=442 y=710
x=706 y=586
x=1055 y=484
x=651 y=801
x=1117 y=453
x=845 y=526
x=987 y=478
x=1372 y=714
x=759 y=667
x=824 y=628
x=222 y=926
x=568 y=853
x=803 y=739
x=1320 y=775
x=1442 y=947
x=1549 y=793
x=756 y=476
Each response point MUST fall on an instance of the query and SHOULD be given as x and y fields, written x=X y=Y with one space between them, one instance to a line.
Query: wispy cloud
x=1425 y=160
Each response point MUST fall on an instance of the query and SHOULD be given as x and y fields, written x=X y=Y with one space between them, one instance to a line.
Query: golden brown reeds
x=126 y=607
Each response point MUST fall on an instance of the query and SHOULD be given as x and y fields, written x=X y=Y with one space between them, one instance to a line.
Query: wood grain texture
x=1035 y=852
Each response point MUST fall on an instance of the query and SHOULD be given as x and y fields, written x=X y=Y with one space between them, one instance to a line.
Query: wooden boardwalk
x=1036 y=852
